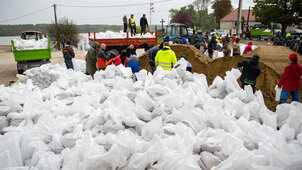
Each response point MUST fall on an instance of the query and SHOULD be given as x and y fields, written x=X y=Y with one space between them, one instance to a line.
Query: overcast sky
x=40 y=11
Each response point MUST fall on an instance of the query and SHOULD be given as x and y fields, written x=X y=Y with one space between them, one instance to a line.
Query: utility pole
x=151 y=10
x=239 y=19
x=55 y=12
x=162 y=25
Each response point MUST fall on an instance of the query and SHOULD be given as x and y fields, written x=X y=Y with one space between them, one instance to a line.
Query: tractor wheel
x=177 y=41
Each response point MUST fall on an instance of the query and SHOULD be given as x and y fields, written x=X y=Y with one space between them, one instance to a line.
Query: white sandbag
x=143 y=99
x=46 y=160
x=268 y=117
x=278 y=93
x=151 y=128
x=209 y=160
x=3 y=123
x=10 y=149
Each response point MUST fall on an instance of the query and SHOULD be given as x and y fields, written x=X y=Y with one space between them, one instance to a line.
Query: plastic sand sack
x=278 y=93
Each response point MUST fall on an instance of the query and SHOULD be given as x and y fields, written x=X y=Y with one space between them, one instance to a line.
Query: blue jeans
x=68 y=63
x=285 y=94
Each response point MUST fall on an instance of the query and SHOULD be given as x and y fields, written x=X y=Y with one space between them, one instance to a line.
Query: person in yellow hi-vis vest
x=165 y=58
x=132 y=25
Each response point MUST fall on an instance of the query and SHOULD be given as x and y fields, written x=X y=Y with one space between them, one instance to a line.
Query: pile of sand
x=273 y=59
x=273 y=56
x=195 y=56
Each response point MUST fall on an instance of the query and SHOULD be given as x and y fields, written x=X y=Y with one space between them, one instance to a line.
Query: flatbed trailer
x=27 y=59
x=122 y=43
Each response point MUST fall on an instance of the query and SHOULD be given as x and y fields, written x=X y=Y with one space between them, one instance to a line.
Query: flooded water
x=6 y=40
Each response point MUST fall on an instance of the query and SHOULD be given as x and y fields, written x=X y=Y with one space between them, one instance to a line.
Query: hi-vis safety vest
x=132 y=22
x=165 y=58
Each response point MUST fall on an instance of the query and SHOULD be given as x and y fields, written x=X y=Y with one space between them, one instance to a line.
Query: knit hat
x=292 y=56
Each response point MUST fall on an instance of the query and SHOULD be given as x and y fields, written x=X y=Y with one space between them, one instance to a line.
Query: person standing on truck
x=290 y=80
x=91 y=59
x=132 y=25
x=125 y=23
x=151 y=55
x=121 y=59
x=236 y=47
x=165 y=58
x=68 y=55
x=102 y=58
x=143 y=23
x=250 y=71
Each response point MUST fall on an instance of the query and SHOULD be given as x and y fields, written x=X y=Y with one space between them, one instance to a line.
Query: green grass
x=254 y=42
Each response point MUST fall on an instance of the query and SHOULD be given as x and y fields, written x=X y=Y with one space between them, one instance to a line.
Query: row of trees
x=284 y=12
x=197 y=14
x=14 y=30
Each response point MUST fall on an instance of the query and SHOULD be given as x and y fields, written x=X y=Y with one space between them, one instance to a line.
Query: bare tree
x=64 y=31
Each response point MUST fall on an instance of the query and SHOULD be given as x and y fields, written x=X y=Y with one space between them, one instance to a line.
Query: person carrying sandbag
x=290 y=80
x=250 y=71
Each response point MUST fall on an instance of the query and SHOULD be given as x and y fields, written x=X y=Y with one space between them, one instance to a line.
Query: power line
x=111 y=6
x=12 y=19
x=116 y=16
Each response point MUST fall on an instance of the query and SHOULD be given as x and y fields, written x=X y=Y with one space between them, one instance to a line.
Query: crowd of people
x=163 y=56
x=290 y=41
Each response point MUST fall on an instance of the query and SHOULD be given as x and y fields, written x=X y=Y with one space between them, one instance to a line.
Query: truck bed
x=116 y=42
x=32 y=55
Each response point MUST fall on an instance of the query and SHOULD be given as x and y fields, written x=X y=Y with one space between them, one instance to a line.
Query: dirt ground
x=273 y=59
x=8 y=66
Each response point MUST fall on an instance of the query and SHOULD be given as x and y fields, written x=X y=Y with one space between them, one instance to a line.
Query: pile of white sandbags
x=121 y=34
x=31 y=44
x=169 y=120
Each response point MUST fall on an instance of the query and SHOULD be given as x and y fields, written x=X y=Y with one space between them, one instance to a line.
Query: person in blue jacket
x=133 y=63
x=151 y=55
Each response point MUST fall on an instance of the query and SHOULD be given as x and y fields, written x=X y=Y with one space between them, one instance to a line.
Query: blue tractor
x=179 y=33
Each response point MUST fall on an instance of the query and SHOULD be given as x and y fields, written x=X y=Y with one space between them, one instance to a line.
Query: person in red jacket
x=290 y=80
x=121 y=59
x=248 y=48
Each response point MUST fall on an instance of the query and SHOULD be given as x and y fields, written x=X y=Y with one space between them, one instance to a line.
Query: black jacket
x=251 y=69
x=68 y=52
x=101 y=54
x=212 y=46
x=143 y=21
